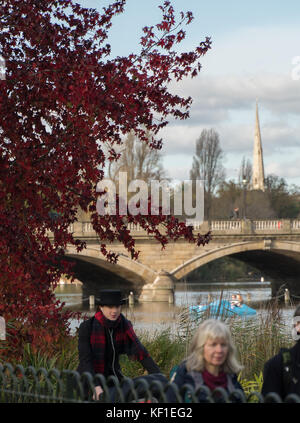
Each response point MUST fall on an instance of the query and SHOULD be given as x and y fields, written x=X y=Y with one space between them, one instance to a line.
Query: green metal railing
x=31 y=385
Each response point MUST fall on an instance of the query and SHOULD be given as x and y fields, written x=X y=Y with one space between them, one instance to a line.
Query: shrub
x=165 y=349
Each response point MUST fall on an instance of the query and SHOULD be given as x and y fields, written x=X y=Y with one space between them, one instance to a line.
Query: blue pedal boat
x=223 y=308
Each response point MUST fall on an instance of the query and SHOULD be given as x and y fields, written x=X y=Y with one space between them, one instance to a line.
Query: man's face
x=111 y=312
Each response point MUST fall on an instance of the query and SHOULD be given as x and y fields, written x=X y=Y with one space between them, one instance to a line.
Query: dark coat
x=183 y=377
x=86 y=354
x=273 y=374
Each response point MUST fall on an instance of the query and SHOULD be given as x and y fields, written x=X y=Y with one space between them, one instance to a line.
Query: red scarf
x=213 y=382
x=125 y=340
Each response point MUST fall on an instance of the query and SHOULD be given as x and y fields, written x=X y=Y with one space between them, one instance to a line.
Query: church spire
x=258 y=175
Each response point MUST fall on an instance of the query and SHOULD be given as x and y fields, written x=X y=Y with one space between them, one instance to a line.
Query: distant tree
x=255 y=204
x=284 y=203
x=277 y=201
x=294 y=189
x=258 y=205
x=207 y=165
x=138 y=160
x=274 y=183
x=227 y=198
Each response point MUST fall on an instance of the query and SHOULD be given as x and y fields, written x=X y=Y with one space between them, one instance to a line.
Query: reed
x=260 y=338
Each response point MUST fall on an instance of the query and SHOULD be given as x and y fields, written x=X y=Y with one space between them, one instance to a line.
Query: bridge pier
x=161 y=290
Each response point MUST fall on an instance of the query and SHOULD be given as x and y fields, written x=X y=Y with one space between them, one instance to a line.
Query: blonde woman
x=212 y=361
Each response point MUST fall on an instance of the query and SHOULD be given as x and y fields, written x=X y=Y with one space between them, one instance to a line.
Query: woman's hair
x=212 y=329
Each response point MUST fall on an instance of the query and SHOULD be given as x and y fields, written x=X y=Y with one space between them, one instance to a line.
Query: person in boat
x=240 y=300
x=281 y=373
x=211 y=363
x=107 y=335
x=234 y=301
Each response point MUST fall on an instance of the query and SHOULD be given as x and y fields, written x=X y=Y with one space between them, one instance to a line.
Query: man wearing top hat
x=107 y=335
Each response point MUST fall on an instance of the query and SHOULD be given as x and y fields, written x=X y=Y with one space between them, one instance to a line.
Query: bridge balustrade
x=225 y=225
x=136 y=227
x=87 y=227
x=254 y=226
x=269 y=225
x=295 y=224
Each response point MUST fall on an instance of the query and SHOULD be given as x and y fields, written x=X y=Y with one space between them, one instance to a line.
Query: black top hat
x=110 y=297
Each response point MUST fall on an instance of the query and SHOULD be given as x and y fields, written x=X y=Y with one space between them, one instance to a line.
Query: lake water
x=158 y=315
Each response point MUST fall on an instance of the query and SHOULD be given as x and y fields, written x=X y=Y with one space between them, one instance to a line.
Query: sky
x=255 y=55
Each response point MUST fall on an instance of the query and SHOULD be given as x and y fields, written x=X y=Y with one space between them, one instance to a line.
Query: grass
x=65 y=358
x=165 y=350
x=254 y=385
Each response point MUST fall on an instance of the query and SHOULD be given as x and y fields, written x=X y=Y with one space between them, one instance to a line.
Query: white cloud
x=214 y=97
x=253 y=49
x=227 y=104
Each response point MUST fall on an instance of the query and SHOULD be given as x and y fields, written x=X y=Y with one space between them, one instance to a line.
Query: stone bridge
x=271 y=246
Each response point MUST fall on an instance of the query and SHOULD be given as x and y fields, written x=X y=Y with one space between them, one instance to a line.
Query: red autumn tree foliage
x=64 y=106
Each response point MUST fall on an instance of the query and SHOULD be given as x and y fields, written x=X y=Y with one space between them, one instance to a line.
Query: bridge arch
x=131 y=270
x=288 y=250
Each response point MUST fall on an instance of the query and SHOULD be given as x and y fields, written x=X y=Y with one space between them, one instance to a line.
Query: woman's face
x=215 y=353
x=111 y=312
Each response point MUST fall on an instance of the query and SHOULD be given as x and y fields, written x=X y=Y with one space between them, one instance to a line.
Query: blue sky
x=255 y=54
